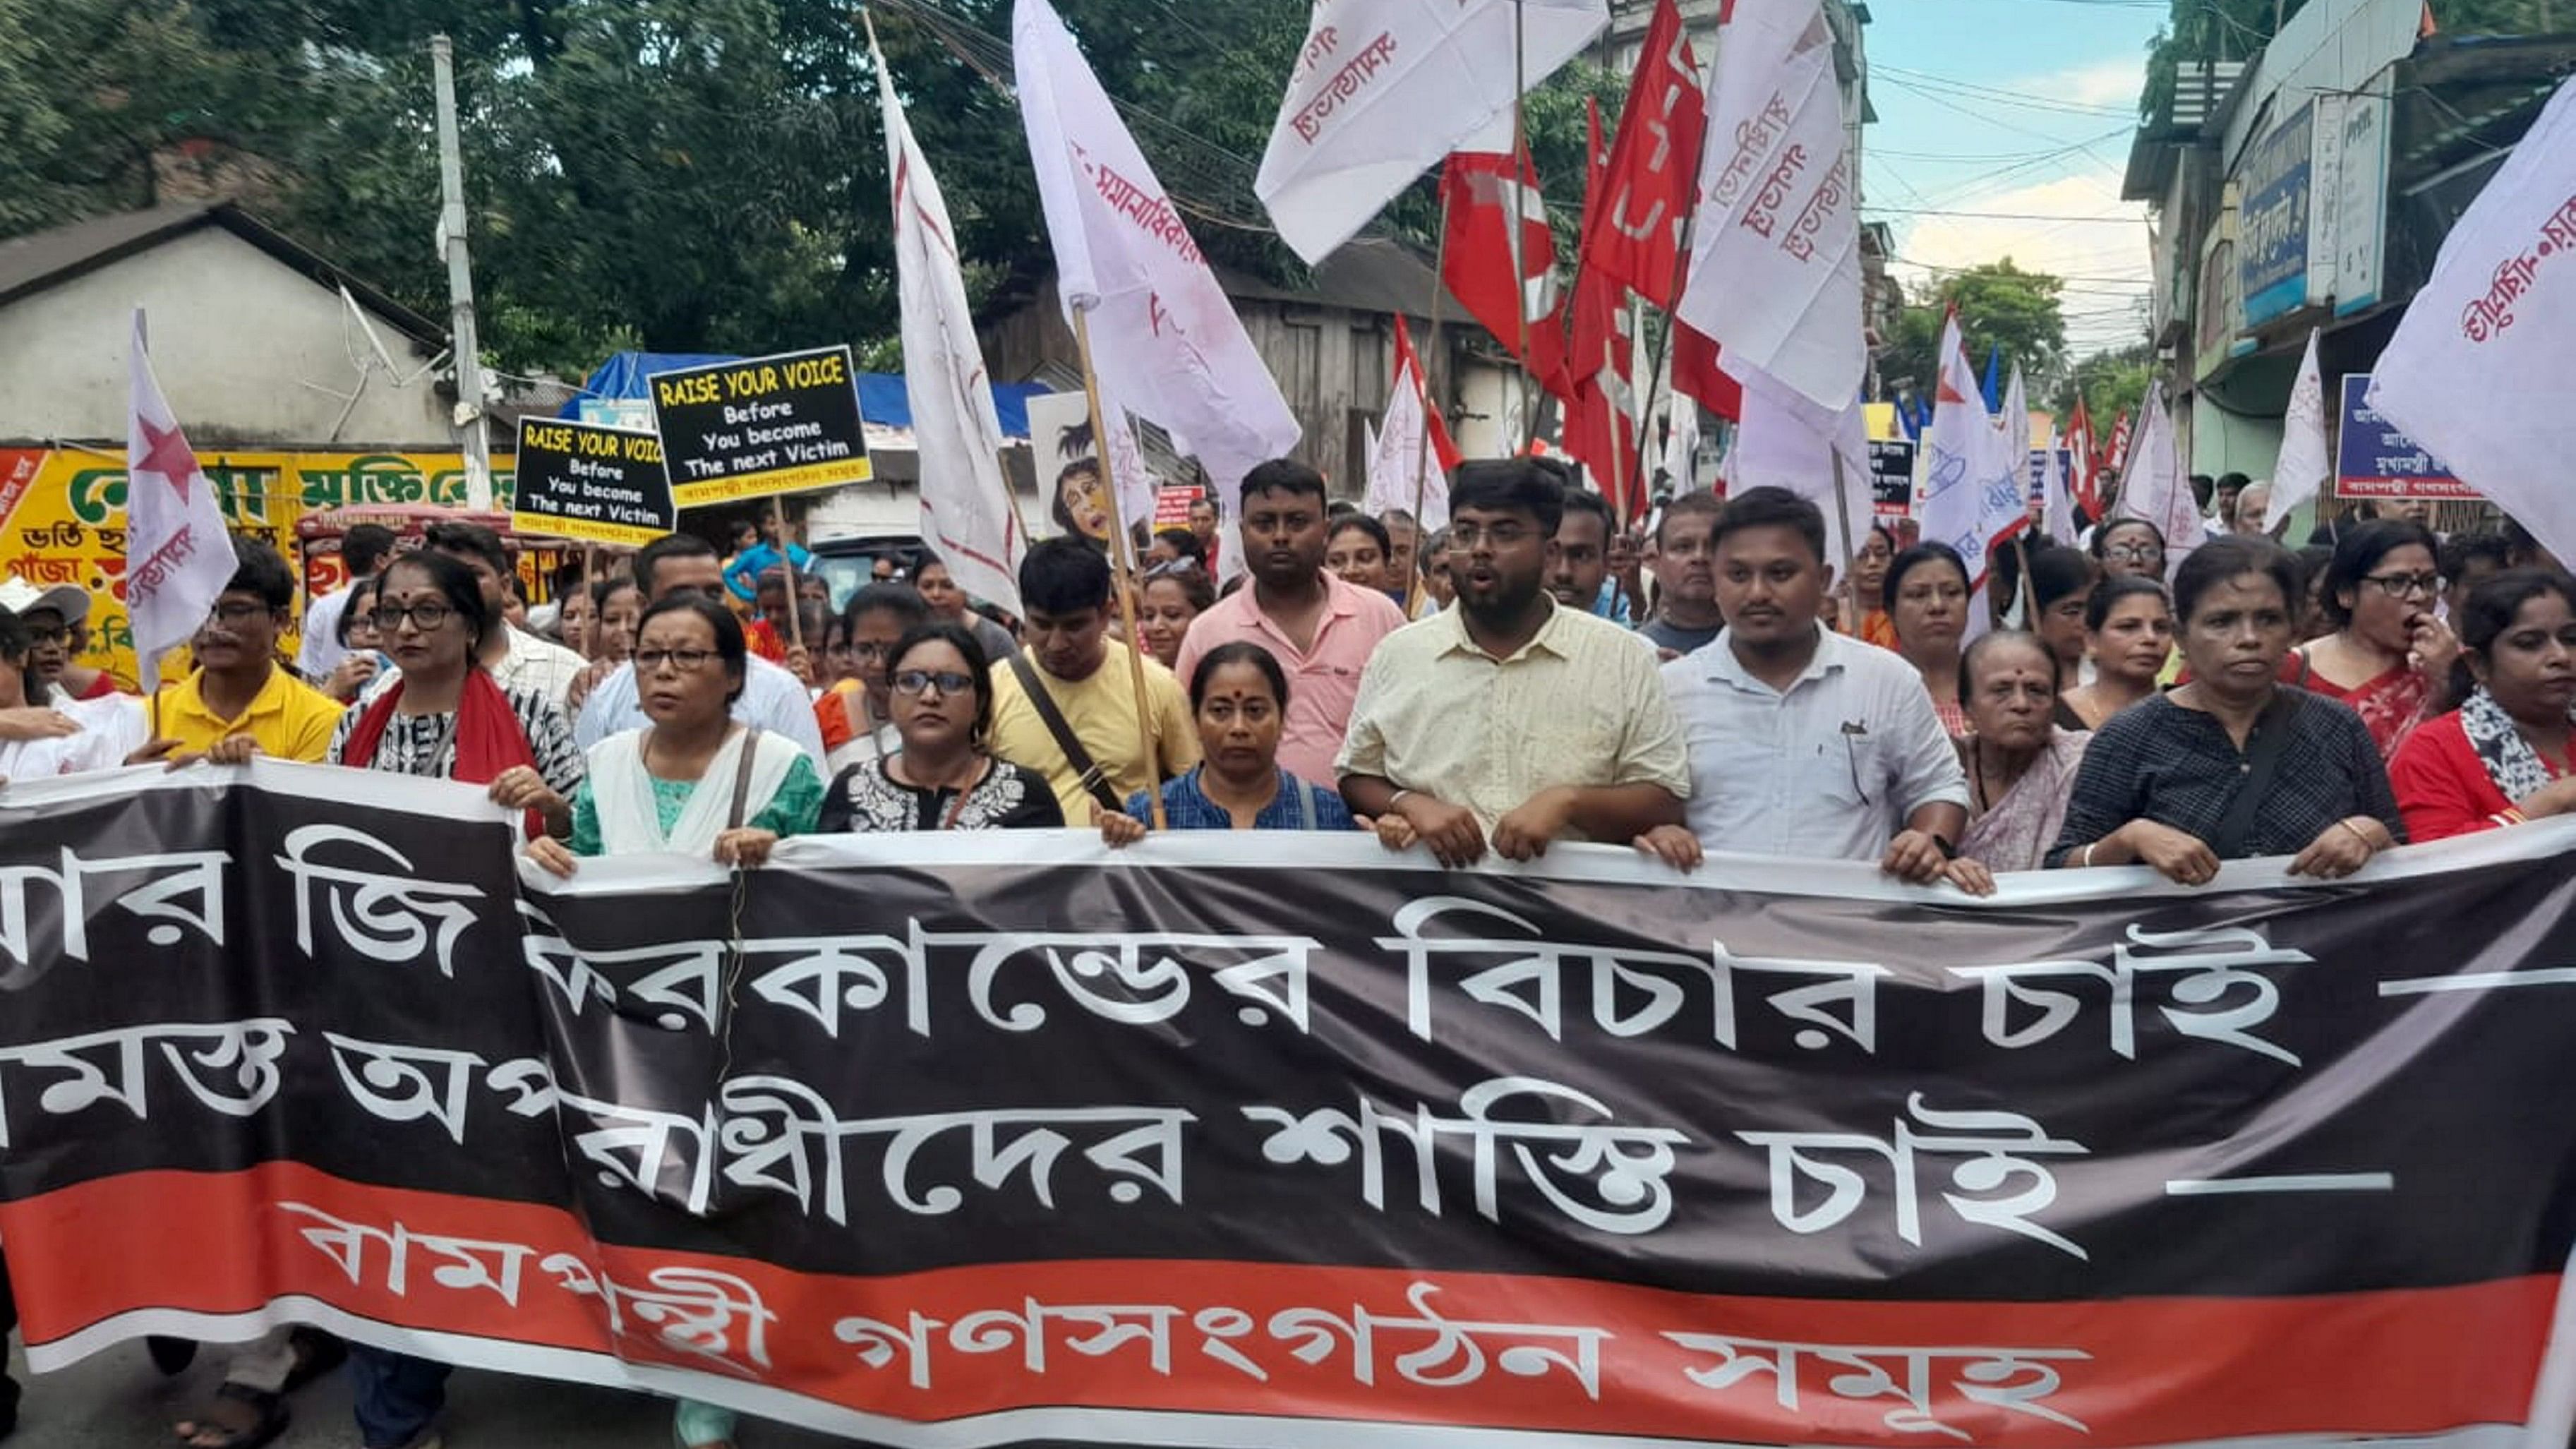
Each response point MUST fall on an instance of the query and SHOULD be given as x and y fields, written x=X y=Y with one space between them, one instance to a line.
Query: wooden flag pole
x=1422 y=367
x=1842 y=527
x=1118 y=557
x=786 y=560
x=1520 y=279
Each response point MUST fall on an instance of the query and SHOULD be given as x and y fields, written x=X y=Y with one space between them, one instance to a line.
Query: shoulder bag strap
x=742 y=777
x=1094 y=779
x=2262 y=768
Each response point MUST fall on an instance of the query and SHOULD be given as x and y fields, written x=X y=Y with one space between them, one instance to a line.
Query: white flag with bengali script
x=178 y=557
x=2300 y=474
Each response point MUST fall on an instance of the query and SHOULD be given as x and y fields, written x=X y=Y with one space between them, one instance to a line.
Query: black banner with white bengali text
x=1242 y=1141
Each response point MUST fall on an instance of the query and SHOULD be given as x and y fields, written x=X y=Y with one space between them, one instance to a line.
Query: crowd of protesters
x=1721 y=680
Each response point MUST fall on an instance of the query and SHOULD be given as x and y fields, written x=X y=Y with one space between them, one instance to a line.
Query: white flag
x=177 y=555
x=2478 y=371
x=1775 y=250
x=1383 y=89
x=2300 y=474
x=2153 y=486
x=1784 y=441
x=2003 y=501
x=966 y=509
x=1956 y=450
x=1681 y=445
x=2057 y=494
x=1164 y=337
x=1399 y=449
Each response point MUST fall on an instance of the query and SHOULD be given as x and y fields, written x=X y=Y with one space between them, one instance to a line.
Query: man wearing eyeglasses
x=237 y=700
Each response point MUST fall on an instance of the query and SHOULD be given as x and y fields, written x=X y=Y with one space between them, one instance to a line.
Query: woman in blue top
x=1238 y=694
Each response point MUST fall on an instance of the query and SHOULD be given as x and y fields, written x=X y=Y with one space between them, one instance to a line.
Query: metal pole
x=1125 y=573
x=460 y=281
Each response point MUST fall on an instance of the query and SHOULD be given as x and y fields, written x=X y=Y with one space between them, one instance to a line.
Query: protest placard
x=585 y=481
x=761 y=426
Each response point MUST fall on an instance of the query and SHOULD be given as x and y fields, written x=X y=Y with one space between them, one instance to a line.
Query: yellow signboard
x=62 y=515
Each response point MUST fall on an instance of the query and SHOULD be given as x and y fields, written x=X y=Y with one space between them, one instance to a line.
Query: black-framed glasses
x=2134 y=553
x=687 y=661
x=234 y=613
x=41 y=636
x=2399 y=586
x=426 y=616
x=915 y=682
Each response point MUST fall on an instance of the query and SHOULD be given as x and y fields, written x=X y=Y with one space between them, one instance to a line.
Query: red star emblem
x=168 y=455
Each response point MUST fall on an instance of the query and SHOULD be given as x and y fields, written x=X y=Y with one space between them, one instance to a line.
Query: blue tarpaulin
x=881 y=394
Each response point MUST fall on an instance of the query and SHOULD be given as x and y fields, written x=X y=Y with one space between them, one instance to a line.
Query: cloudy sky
x=2019 y=111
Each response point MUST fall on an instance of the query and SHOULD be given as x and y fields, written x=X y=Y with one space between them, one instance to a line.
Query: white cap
x=19 y=597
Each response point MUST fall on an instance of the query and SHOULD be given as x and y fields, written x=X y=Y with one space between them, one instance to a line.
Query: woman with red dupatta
x=2390 y=657
x=446 y=719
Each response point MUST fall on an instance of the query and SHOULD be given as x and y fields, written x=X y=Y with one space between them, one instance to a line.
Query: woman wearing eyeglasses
x=943 y=777
x=2129 y=546
x=856 y=715
x=2389 y=657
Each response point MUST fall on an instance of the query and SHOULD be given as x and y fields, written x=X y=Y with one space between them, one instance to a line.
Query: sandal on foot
x=316 y=1353
x=217 y=1429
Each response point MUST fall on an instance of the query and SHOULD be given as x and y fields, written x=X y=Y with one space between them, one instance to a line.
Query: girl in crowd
x=856 y=717
x=2503 y=756
x=2233 y=764
x=2061 y=587
x=2128 y=636
x=446 y=719
x=363 y=655
x=693 y=782
x=2020 y=765
x=943 y=777
x=1926 y=594
x=1173 y=595
x=2130 y=546
x=949 y=605
x=837 y=668
x=572 y=620
x=2389 y=657
x=1239 y=696
x=1357 y=549
x=1869 y=585
x=616 y=604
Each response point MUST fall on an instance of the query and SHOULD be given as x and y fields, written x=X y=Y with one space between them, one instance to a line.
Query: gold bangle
x=2359 y=834
x=2087 y=862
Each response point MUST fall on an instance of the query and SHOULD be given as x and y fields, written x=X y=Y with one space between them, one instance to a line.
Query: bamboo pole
x=1842 y=529
x=787 y=561
x=1125 y=571
x=1422 y=362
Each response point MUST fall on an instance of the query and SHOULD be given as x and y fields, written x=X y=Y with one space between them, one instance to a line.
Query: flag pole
x=1520 y=283
x=786 y=560
x=1118 y=558
x=1842 y=529
x=1422 y=367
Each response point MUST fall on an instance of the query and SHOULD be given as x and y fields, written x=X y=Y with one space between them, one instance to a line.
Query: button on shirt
x=1580 y=704
x=771 y=698
x=1323 y=682
x=1828 y=769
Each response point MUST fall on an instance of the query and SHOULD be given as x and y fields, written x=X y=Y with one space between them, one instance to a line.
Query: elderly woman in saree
x=2020 y=765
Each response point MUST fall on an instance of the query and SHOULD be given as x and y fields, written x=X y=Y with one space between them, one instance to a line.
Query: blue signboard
x=2272 y=218
x=2374 y=460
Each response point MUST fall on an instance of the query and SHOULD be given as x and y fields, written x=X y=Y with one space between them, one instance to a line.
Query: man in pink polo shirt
x=1320 y=629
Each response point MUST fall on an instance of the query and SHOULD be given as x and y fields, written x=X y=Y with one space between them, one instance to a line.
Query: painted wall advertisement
x=2273 y=218
x=2374 y=460
x=62 y=514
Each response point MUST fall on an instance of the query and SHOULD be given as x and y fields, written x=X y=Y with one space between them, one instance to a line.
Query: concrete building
x=251 y=337
x=2309 y=187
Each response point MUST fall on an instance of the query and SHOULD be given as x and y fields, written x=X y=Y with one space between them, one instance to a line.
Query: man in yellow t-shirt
x=239 y=698
x=1064 y=589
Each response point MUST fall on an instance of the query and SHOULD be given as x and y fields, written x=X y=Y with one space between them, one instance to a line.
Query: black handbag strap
x=2263 y=756
x=1093 y=778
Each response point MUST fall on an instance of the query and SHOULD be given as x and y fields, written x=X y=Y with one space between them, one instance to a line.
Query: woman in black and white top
x=943 y=778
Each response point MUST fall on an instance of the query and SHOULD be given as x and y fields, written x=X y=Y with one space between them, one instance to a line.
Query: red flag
x=1696 y=373
x=1502 y=270
x=2116 y=457
x=1600 y=421
x=1444 y=449
x=1632 y=230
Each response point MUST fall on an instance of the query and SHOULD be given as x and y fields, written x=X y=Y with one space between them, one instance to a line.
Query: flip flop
x=271 y=1421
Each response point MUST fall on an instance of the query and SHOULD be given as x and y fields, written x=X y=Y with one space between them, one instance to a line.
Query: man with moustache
x=1320 y=628
x=1511 y=719
x=1579 y=574
x=1685 y=616
x=1804 y=742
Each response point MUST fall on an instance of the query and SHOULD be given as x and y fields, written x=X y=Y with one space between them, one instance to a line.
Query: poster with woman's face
x=1068 y=464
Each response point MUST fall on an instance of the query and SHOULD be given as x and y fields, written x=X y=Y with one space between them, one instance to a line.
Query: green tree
x=2110 y=382
x=2000 y=305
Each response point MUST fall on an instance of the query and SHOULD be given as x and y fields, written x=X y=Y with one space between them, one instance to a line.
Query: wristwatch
x=1948 y=850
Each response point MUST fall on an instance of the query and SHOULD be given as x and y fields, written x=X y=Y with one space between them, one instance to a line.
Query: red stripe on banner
x=1273 y=1339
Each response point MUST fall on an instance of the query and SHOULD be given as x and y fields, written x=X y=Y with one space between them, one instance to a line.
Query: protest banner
x=599 y=484
x=2375 y=459
x=1891 y=477
x=1172 y=505
x=761 y=427
x=1268 y=1141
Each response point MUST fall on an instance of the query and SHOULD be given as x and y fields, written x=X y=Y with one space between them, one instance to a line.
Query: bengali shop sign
x=2374 y=460
x=761 y=426
x=961 y=1140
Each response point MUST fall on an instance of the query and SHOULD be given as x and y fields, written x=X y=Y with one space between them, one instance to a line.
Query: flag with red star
x=177 y=555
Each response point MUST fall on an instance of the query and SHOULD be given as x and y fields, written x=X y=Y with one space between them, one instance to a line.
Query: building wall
x=2330 y=45
x=248 y=350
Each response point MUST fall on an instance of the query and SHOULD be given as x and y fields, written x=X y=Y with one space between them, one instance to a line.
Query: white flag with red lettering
x=2300 y=473
x=2153 y=486
x=1164 y=337
x=1955 y=448
x=1775 y=250
x=1382 y=89
x=966 y=510
x=178 y=556
x=2477 y=372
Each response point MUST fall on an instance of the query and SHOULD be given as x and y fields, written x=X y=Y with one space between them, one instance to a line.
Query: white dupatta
x=621 y=790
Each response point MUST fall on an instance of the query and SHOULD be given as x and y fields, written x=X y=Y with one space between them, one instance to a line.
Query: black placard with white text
x=599 y=484
x=761 y=426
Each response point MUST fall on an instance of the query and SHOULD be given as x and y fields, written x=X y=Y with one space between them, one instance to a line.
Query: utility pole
x=460 y=282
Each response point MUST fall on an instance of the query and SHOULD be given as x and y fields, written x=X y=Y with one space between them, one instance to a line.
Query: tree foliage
x=2000 y=306
x=681 y=175
x=2110 y=382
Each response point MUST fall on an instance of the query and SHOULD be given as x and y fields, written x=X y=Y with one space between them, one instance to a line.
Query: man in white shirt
x=771 y=697
x=1804 y=742
x=364 y=551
